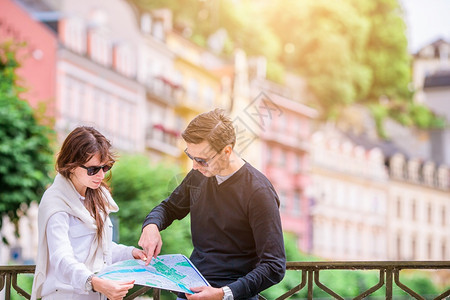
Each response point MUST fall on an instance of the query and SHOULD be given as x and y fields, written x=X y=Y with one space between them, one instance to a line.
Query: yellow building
x=204 y=79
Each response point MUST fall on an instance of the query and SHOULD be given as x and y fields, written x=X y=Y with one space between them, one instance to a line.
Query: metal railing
x=8 y=277
x=389 y=272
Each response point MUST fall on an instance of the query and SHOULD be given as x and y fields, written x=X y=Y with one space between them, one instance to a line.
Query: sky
x=427 y=20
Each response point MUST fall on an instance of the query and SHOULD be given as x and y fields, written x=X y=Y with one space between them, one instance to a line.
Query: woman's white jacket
x=68 y=249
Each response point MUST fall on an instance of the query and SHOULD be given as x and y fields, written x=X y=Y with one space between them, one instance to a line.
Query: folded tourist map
x=173 y=272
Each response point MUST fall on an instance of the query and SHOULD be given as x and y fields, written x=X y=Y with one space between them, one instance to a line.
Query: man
x=235 y=221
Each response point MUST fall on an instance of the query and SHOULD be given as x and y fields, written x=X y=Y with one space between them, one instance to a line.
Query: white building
x=419 y=210
x=350 y=192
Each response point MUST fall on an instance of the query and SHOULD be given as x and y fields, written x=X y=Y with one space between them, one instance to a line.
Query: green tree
x=138 y=186
x=348 y=51
x=25 y=153
x=326 y=42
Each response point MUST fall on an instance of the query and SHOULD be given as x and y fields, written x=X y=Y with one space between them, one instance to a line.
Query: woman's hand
x=139 y=254
x=113 y=290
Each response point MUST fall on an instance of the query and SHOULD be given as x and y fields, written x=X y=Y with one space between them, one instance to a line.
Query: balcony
x=295 y=142
x=162 y=139
x=164 y=90
x=309 y=279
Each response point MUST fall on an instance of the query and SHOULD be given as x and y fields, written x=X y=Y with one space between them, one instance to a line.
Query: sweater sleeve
x=61 y=254
x=264 y=219
x=121 y=252
x=175 y=207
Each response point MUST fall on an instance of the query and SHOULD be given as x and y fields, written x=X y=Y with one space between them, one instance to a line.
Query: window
x=299 y=127
x=444 y=250
x=442 y=177
x=398 y=166
x=146 y=23
x=74 y=35
x=443 y=216
x=283 y=199
x=297 y=204
x=158 y=30
x=428 y=173
x=282 y=158
x=209 y=96
x=81 y=102
x=74 y=99
x=429 y=214
x=297 y=167
x=413 y=170
x=413 y=210
x=430 y=248
x=269 y=154
x=124 y=63
x=399 y=246
x=193 y=90
x=282 y=121
x=65 y=106
x=399 y=208
x=100 y=47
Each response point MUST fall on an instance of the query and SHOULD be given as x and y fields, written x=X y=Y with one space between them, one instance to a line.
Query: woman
x=75 y=231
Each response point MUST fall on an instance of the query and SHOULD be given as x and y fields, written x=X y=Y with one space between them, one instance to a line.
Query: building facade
x=97 y=72
x=349 y=199
x=36 y=54
x=430 y=59
x=419 y=210
x=286 y=162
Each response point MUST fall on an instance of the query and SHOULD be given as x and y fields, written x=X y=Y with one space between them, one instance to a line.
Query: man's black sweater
x=236 y=229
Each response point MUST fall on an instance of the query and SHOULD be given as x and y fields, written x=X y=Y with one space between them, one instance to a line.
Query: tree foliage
x=25 y=153
x=327 y=42
x=138 y=186
x=348 y=51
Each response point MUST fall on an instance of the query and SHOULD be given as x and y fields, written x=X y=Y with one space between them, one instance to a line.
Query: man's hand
x=206 y=292
x=150 y=241
x=113 y=290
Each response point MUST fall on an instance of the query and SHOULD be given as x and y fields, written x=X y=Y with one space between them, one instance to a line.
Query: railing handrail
x=335 y=265
x=18 y=268
x=389 y=272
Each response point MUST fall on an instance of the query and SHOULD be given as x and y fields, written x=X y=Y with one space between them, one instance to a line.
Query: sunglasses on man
x=91 y=171
x=201 y=161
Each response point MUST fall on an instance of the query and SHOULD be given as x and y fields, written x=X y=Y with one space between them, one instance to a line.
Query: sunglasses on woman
x=91 y=171
x=201 y=161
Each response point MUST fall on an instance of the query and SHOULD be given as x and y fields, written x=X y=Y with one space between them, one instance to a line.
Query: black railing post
x=310 y=283
x=8 y=286
x=389 y=283
x=156 y=294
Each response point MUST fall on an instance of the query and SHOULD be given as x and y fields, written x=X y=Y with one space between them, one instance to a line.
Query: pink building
x=285 y=161
x=37 y=57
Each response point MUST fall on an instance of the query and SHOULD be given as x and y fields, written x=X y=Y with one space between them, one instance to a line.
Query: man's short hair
x=214 y=126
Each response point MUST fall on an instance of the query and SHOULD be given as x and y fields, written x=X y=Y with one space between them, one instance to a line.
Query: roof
x=438 y=79
x=41 y=11
x=388 y=147
x=435 y=46
x=34 y=6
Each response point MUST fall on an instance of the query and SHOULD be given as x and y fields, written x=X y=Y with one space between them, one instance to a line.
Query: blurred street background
x=344 y=105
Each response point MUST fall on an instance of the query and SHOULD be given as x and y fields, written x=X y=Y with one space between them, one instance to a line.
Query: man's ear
x=228 y=149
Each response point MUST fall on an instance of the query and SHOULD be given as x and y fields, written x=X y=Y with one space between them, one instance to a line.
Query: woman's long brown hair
x=77 y=149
